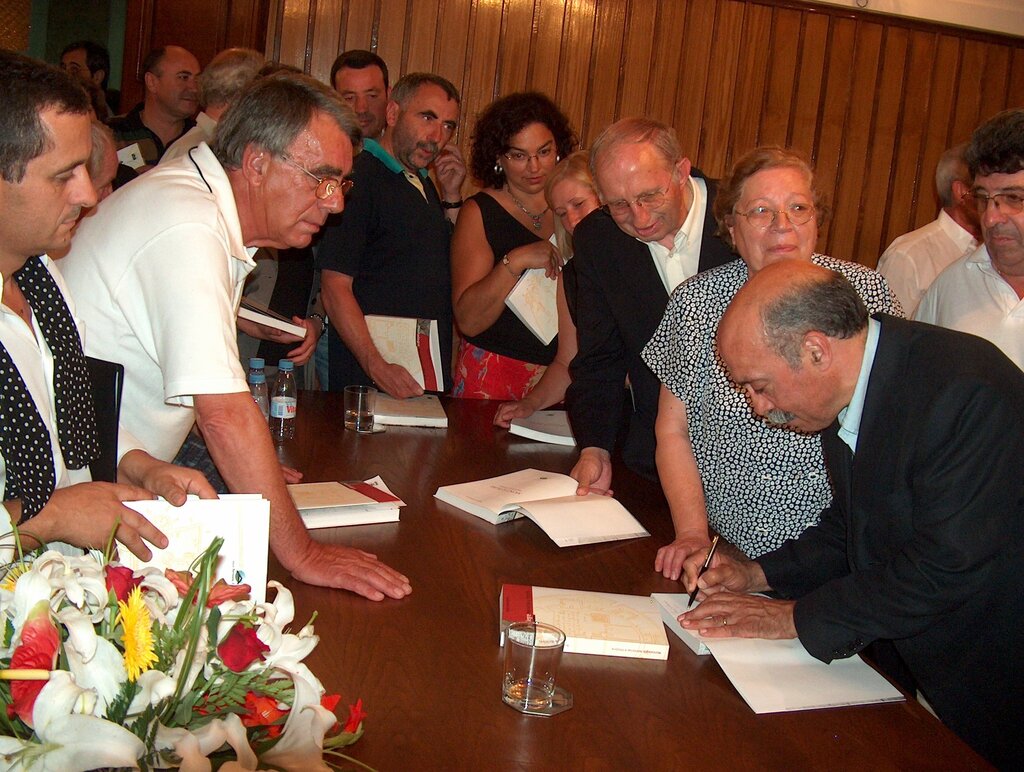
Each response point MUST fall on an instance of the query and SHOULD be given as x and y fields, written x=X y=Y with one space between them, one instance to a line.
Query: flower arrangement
x=104 y=667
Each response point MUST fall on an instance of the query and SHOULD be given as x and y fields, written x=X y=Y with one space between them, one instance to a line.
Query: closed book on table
x=550 y=500
x=333 y=504
x=551 y=426
x=415 y=344
x=425 y=410
x=593 y=622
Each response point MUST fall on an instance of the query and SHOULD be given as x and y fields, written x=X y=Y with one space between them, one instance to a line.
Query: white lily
x=154 y=686
x=301 y=745
x=70 y=738
x=193 y=747
x=103 y=672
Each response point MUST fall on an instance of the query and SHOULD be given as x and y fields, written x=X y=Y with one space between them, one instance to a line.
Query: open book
x=425 y=410
x=412 y=343
x=778 y=676
x=532 y=300
x=593 y=622
x=551 y=426
x=332 y=504
x=243 y=520
x=260 y=314
x=550 y=500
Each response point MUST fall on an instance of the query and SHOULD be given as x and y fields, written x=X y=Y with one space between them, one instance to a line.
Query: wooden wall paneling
x=326 y=39
x=515 y=47
x=723 y=50
x=833 y=114
x=637 y=54
x=782 y=78
x=605 y=68
x=974 y=77
x=272 y=45
x=994 y=84
x=451 y=50
x=698 y=31
x=858 y=140
x=481 y=64
x=549 y=22
x=803 y=122
x=361 y=28
x=871 y=237
x=423 y=29
x=293 y=30
x=1015 y=92
x=937 y=125
x=247 y=23
x=576 y=51
x=669 y=41
x=753 y=66
x=391 y=33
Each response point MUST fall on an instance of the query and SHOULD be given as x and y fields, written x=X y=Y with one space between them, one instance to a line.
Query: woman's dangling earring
x=497 y=169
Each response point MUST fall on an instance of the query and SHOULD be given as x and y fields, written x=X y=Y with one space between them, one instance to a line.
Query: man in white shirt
x=655 y=230
x=158 y=273
x=983 y=293
x=913 y=260
x=47 y=420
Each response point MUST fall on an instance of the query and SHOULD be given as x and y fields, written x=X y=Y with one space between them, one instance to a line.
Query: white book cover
x=671 y=605
x=593 y=622
x=260 y=314
x=414 y=344
x=333 y=504
x=532 y=300
x=550 y=500
x=551 y=426
x=425 y=410
x=243 y=520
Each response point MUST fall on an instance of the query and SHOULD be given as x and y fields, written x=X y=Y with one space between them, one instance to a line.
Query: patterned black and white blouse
x=762 y=484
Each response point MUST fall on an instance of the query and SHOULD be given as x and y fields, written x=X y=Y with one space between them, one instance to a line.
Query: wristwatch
x=320 y=318
x=451 y=204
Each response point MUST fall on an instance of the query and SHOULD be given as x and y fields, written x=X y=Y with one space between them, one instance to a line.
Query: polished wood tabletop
x=428 y=667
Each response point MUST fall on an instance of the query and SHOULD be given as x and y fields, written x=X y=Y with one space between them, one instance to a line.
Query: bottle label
x=283 y=407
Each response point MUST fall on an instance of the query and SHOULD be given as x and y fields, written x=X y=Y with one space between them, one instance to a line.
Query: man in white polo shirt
x=159 y=271
x=983 y=293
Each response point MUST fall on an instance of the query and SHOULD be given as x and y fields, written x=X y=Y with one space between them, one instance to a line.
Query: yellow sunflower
x=133 y=615
x=12 y=576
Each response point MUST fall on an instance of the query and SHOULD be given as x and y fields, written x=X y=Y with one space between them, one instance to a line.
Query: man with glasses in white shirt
x=983 y=292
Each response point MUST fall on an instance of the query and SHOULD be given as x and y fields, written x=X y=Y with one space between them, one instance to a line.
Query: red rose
x=241 y=648
x=121 y=580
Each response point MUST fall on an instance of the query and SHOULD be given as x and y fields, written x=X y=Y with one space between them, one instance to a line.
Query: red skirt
x=482 y=374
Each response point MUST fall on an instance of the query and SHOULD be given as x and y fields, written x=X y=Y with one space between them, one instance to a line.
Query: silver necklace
x=534 y=218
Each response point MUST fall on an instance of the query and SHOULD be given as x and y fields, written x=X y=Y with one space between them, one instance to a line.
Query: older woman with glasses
x=720 y=464
x=503 y=231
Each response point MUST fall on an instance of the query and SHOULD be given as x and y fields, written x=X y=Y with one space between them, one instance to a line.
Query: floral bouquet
x=104 y=667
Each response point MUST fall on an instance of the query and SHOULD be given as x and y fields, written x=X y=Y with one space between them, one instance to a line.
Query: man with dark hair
x=47 y=420
x=159 y=271
x=87 y=60
x=983 y=292
x=913 y=260
x=389 y=253
x=172 y=98
x=361 y=77
x=655 y=230
x=923 y=434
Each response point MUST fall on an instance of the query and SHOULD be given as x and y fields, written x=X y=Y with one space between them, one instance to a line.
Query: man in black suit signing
x=923 y=434
x=654 y=231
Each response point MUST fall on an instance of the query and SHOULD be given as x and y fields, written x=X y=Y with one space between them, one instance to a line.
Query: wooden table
x=428 y=667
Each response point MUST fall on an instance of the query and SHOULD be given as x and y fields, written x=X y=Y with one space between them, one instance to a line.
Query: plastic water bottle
x=283 y=402
x=258 y=386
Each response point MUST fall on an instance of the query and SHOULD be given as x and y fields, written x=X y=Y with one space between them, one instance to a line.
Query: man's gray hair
x=272 y=112
x=828 y=304
x=227 y=75
x=409 y=84
x=635 y=131
x=950 y=168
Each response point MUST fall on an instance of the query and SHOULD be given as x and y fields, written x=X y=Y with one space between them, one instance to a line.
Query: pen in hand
x=703 y=568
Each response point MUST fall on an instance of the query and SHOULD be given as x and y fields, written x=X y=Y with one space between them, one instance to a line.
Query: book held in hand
x=593 y=622
x=550 y=500
x=425 y=410
x=533 y=302
x=333 y=504
x=242 y=519
x=775 y=676
x=551 y=426
x=260 y=314
x=415 y=344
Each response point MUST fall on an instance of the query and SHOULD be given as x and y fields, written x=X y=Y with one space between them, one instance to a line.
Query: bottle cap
x=285 y=364
x=256 y=363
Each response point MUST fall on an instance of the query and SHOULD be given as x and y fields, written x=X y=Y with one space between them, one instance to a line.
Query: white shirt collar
x=849 y=416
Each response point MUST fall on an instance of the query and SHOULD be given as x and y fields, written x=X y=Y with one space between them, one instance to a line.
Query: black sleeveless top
x=508 y=336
